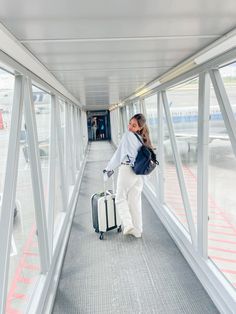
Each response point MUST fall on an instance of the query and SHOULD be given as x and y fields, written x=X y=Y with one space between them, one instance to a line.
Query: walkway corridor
x=122 y=274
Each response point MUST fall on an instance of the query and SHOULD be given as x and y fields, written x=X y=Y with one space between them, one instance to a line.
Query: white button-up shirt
x=126 y=151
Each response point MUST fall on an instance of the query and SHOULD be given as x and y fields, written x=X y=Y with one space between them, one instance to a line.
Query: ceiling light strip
x=83 y=40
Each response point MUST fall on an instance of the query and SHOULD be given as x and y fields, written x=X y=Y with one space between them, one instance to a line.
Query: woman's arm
x=126 y=151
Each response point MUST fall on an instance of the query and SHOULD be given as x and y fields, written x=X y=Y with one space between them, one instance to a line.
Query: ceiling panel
x=103 y=51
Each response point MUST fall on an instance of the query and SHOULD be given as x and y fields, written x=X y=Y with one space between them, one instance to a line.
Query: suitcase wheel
x=119 y=229
x=96 y=230
x=101 y=236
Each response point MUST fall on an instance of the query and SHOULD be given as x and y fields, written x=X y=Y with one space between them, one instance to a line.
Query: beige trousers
x=128 y=197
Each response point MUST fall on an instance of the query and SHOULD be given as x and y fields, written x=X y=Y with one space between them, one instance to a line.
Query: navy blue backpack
x=145 y=161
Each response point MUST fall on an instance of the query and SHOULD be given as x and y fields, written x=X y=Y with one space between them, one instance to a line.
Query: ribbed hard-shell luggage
x=104 y=214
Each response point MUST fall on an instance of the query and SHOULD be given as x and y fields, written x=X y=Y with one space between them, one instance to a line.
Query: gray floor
x=122 y=274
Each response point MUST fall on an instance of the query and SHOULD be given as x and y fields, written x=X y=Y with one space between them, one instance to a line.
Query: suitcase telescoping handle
x=106 y=191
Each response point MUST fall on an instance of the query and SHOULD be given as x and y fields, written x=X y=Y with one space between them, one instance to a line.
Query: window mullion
x=60 y=144
x=179 y=170
x=160 y=149
x=36 y=176
x=225 y=106
x=77 y=146
x=9 y=192
x=52 y=171
x=202 y=168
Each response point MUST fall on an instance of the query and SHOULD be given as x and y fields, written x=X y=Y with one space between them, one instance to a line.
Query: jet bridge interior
x=66 y=67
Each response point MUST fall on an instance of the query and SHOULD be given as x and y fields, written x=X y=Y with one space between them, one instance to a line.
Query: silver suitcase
x=104 y=213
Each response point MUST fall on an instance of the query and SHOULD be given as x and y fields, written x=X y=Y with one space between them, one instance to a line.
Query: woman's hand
x=107 y=174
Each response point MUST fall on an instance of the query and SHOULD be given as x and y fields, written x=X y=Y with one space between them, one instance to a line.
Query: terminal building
x=72 y=74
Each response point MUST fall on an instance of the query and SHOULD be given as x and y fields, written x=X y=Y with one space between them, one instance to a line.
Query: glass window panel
x=151 y=112
x=78 y=141
x=70 y=147
x=136 y=107
x=131 y=110
x=151 y=116
x=80 y=135
x=126 y=111
x=183 y=101
x=124 y=119
x=222 y=197
x=62 y=118
x=58 y=204
x=42 y=105
x=172 y=193
x=6 y=101
x=228 y=74
x=24 y=259
x=62 y=112
x=73 y=139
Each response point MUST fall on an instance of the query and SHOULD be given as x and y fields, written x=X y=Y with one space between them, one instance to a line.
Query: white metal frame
x=179 y=170
x=225 y=106
x=51 y=179
x=220 y=290
x=80 y=136
x=73 y=145
x=68 y=152
x=76 y=135
x=36 y=176
x=160 y=150
x=61 y=144
x=49 y=241
x=122 y=123
x=9 y=192
x=202 y=169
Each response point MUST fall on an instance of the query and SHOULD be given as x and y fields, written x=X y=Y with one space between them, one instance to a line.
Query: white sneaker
x=136 y=233
x=128 y=230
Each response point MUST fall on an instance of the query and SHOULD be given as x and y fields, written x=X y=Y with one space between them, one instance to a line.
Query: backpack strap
x=138 y=137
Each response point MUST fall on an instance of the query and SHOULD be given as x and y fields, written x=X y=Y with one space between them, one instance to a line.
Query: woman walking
x=129 y=185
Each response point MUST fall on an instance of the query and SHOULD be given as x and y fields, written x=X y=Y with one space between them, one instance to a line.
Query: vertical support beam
x=141 y=100
x=85 y=128
x=82 y=148
x=202 y=167
x=70 y=140
x=73 y=149
x=125 y=118
x=112 y=121
x=9 y=191
x=121 y=121
x=116 y=124
x=131 y=109
x=225 y=106
x=160 y=150
x=127 y=112
x=67 y=148
x=144 y=110
x=84 y=124
x=36 y=176
x=77 y=141
x=59 y=143
x=119 y=124
x=51 y=181
x=179 y=170
x=80 y=139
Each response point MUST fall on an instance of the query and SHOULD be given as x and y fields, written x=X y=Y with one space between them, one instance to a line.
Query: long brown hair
x=144 y=132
